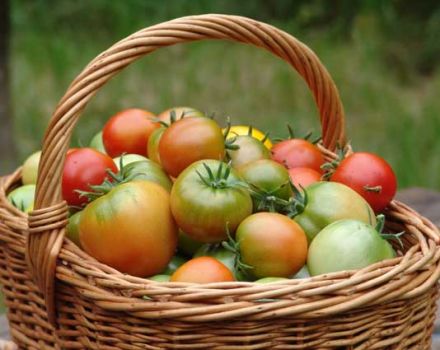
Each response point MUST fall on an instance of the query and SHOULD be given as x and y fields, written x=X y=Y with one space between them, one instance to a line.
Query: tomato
x=97 y=142
x=303 y=177
x=23 y=198
x=128 y=132
x=84 y=167
x=153 y=144
x=250 y=150
x=29 y=171
x=186 y=245
x=303 y=273
x=72 y=230
x=328 y=202
x=272 y=244
x=130 y=228
x=265 y=280
x=147 y=170
x=203 y=269
x=180 y=112
x=202 y=204
x=370 y=176
x=189 y=140
x=347 y=245
x=160 y=278
x=175 y=262
x=298 y=153
x=236 y=130
x=216 y=251
x=269 y=177
x=127 y=159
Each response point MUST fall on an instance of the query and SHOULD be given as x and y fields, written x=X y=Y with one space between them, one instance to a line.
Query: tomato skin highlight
x=303 y=177
x=128 y=132
x=362 y=170
x=298 y=153
x=273 y=244
x=189 y=140
x=130 y=229
x=202 y=211
x=84 y=167
x=203 y=269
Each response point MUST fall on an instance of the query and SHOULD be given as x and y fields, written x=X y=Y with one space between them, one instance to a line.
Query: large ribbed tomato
x=130 y=228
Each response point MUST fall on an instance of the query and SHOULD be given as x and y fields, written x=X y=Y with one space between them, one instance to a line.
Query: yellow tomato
x=243 y=130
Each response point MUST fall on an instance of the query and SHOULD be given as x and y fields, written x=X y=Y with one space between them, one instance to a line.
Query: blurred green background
x=383 y=55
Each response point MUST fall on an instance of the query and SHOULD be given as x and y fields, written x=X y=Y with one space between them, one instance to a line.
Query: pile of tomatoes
x=176 y=197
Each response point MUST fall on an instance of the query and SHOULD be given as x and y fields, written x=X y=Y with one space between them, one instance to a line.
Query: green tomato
x=72 y=228
x=203 y=202
x=270 y=177
x=175 y=262
x=265 y=280
x=328 y=202
x=250 y=149
x=23 y=198
x=153 y=144
x=346 y=245
x=97 y=143
x=29 y=171
x=160 y=278
x=303 y=273
x=186 y=245
x=128 y=159
x=148 y=170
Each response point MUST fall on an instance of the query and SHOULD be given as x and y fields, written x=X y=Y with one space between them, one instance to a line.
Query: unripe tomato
x=130 y=228
x=272 y=244
x=186 y=245
x=175 y=262
x=189 y=140
x=23 y=198
x=203 y=269
x=298 y=153
x=29 y=171
x=250 y=150
x=147 y=170
x=153 y=144
x=303 y=177
x=128 y=159
x=97 y=143
x=128 y=132
x=370 y=176
x=180 y=112
x=72 y=229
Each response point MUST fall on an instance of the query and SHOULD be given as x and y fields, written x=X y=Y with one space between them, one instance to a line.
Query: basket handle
x=47 y=222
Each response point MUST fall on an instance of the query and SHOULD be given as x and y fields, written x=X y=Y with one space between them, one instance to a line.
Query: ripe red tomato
x=370 y=176
x=189 y=140
x=84 y=167
x=128 y=132
x=298 y=153
x=204 y=269
x=302 y=177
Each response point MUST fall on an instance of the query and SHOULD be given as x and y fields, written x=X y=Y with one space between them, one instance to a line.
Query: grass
x=399 y=120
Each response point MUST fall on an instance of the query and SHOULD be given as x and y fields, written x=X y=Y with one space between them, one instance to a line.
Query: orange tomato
x=304 y=176
x=204 y=269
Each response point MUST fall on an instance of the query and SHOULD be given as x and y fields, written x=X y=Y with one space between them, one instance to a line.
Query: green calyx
x=173 y=118
x=388 y=236
x=219 y=179
x=233 y=246
x=308 y=137
x=230 y=142
x=330 y=167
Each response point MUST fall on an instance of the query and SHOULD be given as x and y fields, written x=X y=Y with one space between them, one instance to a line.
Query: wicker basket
x=78 y=303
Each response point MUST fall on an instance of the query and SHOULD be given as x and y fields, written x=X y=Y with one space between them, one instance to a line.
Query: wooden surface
x=424 y=201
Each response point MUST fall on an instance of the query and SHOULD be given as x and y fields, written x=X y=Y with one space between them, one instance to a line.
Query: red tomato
x=128 y=132
x=84 y=167
x=298 y=153
x=370 y=176
x=204 y=269
x=302 y=177
x=189 y=140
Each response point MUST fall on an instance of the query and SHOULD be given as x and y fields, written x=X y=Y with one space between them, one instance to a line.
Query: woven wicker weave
x=87 y=305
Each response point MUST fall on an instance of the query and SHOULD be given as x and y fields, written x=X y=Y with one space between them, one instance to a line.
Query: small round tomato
x=29 y=171
x=298 y=153
x=237 y=130
x=72 y=230
x=23 y=198
x=303 y=177
x=153 y=144
x=147 y=170
x=189 y=140
x=204 y=269
x=175 y=262
x=250 y=150
x=269 y=178
x=370 y=176
x=128 y=132
x=130 y=228
x=206 y=197
x=216 y=251
x=328 y=202
x=272 y=244
x=179 y=113
x=347 y=245
x=84 y=167
x=97 y=143
x=128 y=159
